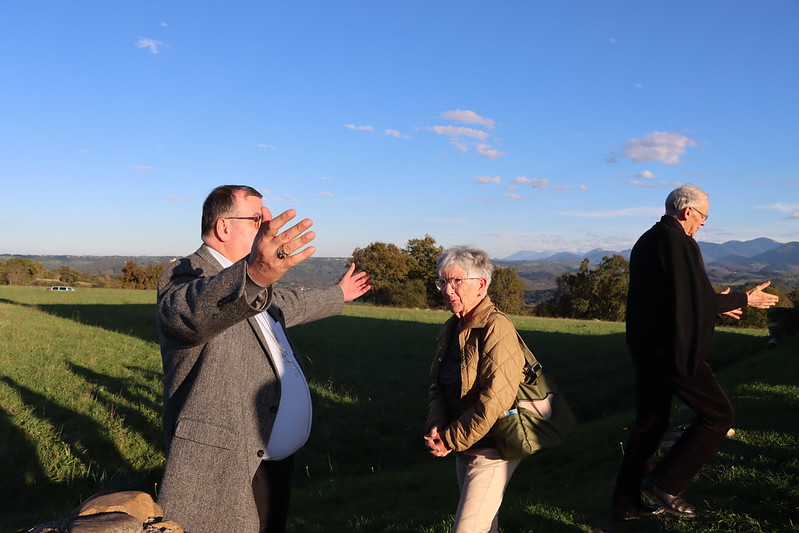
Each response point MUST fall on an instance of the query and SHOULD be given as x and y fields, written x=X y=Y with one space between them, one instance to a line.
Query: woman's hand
x=434 y=444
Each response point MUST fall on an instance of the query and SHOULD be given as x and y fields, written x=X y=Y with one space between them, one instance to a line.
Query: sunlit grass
x=80 y=407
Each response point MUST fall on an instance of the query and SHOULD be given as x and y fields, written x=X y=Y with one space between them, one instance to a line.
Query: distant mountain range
x=757 y=250
x=730 y=263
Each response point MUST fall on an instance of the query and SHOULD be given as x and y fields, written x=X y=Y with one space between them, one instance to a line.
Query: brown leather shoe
x=639 y=513
x=671 y=503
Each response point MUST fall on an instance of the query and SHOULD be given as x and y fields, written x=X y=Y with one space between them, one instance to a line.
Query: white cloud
x=150 y=44
x=646 y=174
x=583 y=187
x=142 y=168
x=488 y=179
x=460 y=146
x=327 y=194
x=513 y=196
x=794 y=215
x=639 y=183
x=325 y=178
x=488 y=151
x=468 y=117
x=533 y=182
x=359 y=128
x=511 y=187
x=658 y=146
x=392 y=133
x=459 y=131
x=782 y=208
x=267 y=146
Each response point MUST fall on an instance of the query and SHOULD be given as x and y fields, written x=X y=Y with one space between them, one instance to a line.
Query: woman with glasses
x=476 y=374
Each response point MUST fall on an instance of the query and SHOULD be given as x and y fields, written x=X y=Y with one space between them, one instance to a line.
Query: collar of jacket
x=673 y=224
x=479 y=315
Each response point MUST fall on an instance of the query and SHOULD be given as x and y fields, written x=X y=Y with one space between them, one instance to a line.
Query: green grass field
x=80 y=412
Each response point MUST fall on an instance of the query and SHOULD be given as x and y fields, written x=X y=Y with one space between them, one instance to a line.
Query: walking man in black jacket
x=671 y=312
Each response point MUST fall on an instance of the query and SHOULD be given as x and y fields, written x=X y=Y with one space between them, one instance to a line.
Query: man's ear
x=221 y=229
x=684 y=213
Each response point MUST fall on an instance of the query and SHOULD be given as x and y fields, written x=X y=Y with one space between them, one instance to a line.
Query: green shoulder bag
x=540 y=417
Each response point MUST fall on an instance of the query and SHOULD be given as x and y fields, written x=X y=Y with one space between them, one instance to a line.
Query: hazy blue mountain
x=714 y=251
x=710 y=251
x=787 y=253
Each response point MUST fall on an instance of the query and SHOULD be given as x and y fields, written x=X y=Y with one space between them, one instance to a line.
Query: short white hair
x=682 y=197
x=474 y=261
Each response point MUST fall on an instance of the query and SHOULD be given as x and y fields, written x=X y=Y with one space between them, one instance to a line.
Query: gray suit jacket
x=221 y=389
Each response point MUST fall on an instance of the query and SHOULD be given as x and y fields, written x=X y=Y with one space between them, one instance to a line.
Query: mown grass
x=80 y=411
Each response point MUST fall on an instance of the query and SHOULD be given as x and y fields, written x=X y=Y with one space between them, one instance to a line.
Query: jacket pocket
x=204 y=433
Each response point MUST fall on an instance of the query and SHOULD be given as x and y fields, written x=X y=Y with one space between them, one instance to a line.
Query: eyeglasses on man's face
x=256 y=219
x=704 y=215
x=455 y=283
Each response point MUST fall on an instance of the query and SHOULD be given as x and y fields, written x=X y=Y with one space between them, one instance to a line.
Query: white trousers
x=482 y=478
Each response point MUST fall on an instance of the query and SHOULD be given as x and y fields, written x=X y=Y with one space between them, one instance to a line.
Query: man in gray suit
x=236 y=403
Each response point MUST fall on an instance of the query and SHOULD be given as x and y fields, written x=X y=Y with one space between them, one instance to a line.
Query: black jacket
x=671 y=304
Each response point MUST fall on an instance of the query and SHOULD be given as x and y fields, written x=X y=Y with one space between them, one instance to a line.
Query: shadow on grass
x=108 y=390
x=83 y=461
x=136 y=320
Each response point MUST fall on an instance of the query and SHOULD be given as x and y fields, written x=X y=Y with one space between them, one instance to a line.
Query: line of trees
x=405 y=277
x=23 y=271
x=601 y=294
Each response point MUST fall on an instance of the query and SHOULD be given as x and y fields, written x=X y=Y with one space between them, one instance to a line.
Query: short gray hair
x=475 y=262
x=682 y=197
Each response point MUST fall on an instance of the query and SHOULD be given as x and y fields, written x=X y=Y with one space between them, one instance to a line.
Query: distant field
x=80 y=411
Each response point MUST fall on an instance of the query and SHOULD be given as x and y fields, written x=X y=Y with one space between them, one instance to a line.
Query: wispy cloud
x=465 y=138
x=468 y=117
x=535 y=183
x=460 y=131
x=268 y=147
x=782 y=208
x=646 y=174
x=488 y=151
x=395 y=133
x=326 y=194
x=142 y=168
x=359 y=128
x=488 y=179
x=513 y=196
x=658 y=146
x=150 y=44
x=652 y=184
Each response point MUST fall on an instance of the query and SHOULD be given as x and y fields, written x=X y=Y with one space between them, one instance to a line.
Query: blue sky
x=508 y=125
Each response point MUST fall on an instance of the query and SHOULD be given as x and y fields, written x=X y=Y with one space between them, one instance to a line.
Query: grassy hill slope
x=80 y=411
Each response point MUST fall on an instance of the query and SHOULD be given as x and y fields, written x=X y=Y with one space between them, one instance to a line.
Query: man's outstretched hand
x=264 y=264
x=354 y=285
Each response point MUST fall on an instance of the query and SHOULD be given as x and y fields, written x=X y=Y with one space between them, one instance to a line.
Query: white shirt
x=294 y=413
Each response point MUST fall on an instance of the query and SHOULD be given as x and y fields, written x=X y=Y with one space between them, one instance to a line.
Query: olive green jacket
x=491 y=370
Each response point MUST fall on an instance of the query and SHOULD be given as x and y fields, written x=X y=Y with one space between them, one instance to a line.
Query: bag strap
x=532 y=368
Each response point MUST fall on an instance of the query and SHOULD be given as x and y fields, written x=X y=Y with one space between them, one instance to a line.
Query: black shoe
x=671 y=503
x=639 y=513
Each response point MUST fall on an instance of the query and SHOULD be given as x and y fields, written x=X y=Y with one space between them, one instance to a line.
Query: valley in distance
x=733 y=263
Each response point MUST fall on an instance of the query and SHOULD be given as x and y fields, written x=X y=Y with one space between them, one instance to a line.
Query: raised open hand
x=274 y=253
